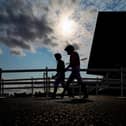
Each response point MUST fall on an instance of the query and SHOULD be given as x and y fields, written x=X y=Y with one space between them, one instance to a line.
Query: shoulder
x=61 y=62
x=75 y=54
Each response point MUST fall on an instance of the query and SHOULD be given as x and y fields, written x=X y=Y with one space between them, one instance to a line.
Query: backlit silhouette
x=75 y=74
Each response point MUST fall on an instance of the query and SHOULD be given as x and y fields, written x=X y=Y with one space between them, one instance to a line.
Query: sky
x=31 y=31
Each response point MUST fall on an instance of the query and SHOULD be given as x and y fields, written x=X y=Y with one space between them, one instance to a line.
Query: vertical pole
x=44 y=82
x=0 y=80
x=73 y=89
x=2 y=86
x=80 y=90
x=107 y=77
x=121 y=81
x=97 y=85
x=32 y=86
x=46 y=74
x=107 y=80
x=49 y=83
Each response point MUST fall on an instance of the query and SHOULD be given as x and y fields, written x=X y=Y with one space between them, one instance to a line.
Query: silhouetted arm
x=54 y=76
x=67 y=67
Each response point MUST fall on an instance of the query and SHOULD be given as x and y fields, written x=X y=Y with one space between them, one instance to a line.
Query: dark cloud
x=22 y=28
x=25 y=26
x=46 y=9
x=74 y=1
x=49 y=40
x=11 y=42
x=17 y=52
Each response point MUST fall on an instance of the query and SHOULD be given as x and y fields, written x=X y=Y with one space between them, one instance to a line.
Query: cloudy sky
x=31 y=31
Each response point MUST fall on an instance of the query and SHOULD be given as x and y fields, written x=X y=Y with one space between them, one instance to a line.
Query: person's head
x=69 y=49
x=57 y=56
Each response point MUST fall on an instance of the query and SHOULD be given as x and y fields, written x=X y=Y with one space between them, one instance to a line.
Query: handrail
x=43 y=70
x=45 y=76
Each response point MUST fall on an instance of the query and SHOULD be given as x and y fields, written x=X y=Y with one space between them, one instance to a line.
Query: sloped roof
x=109 y=43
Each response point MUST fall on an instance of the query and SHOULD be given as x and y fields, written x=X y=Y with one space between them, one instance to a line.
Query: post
x=107 y=77
x=97 y=86
x=2 y=87
x=0 y=81
x=49 y=84
x=44 y=81
x=32 y=86
x=121 y=81
x=46 y=75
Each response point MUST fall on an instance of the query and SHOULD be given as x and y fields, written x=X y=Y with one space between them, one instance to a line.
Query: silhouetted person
x=60 y=75
x=75 y=74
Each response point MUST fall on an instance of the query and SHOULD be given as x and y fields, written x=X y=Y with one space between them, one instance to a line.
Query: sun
x=66 y=26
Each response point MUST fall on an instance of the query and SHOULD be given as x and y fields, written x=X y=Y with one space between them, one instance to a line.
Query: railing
x=45 y=81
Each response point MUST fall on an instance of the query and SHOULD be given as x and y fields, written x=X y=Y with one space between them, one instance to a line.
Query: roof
x=108 y=47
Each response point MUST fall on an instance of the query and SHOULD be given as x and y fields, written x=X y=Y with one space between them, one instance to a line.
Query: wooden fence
x=46 y=82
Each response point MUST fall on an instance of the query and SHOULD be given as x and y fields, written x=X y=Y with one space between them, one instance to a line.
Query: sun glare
x=66 y=26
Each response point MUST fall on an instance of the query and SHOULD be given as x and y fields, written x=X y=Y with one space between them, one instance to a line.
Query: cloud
x=17 y=51
x=1 y=51
x=32 y=24
x=20 y=29
x=108 y=5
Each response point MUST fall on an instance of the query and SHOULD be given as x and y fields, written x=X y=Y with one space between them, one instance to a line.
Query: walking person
x=60 y=75
x=75 y=74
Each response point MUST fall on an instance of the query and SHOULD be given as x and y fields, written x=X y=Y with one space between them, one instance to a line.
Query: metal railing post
x=48 y=84
x=32 y=79
x=44 y=82
x=97 y=86
x=46 y=74
x=2 y=86
x=121 y=81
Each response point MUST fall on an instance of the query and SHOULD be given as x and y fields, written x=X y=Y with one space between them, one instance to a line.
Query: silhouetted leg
x=84 y=90
x=66 y=87
x=56 y=83
x=55 y=90
x=83 y=86
x=63 y=83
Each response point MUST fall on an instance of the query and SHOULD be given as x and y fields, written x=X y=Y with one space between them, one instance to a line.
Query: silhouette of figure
x=75 y=74
x=60 y=75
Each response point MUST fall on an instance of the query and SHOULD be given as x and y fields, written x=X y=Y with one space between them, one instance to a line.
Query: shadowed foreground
x=96 y=111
